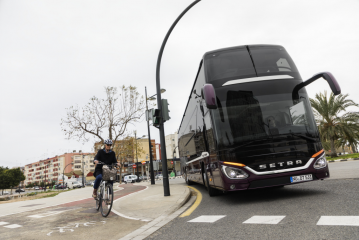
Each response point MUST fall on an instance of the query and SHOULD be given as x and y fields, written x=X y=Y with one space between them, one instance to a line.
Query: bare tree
x=105 y=118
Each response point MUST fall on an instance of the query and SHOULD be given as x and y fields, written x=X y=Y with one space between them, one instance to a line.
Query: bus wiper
x=304 y=137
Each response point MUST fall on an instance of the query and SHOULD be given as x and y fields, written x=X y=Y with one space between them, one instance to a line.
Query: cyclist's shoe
x=94 y=194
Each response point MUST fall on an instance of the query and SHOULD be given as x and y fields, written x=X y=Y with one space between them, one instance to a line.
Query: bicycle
x=104 y=199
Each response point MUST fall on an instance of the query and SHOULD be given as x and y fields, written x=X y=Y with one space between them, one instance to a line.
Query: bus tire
x=188 y=181
x=211 y=191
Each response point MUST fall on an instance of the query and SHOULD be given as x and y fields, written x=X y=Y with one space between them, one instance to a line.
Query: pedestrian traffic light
x=156 y=117
x=165 y=110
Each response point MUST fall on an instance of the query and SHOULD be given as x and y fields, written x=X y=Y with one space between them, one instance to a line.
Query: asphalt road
x=73 y=220
x=293 y=211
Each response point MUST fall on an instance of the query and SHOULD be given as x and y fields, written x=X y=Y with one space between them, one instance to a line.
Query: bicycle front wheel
x=106 y=200
x=98 y=199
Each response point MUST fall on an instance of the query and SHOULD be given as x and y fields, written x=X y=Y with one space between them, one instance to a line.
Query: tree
x=15 y=177
x=125 y=150
x=333 y=119
x=105 y=118
x=4 y=179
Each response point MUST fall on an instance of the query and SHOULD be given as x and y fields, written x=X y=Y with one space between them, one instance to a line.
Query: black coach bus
x=249 y=123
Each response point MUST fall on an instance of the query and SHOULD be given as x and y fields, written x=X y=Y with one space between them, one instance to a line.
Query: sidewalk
x=150 y=205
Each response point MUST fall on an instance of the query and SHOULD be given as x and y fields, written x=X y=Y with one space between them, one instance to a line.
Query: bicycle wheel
x=106 y=200
x=98 y=199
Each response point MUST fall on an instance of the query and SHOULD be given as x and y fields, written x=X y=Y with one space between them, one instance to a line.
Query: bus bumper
x=280 y=179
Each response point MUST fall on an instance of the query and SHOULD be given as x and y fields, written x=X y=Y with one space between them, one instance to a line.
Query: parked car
x=158 y=176
x=76 y=184
x=36 y=188
x=60 y=186
x=5 y=193
x=130 y=179
x=143 y=178
x=20 y=190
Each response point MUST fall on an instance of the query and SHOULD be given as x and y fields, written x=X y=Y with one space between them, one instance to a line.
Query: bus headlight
x=320 y=163
x=234 y=173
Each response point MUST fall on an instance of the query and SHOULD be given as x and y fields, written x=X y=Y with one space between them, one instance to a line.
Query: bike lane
x=78 y=219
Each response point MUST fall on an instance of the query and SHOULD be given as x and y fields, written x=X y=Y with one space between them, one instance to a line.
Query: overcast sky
x=55 y=54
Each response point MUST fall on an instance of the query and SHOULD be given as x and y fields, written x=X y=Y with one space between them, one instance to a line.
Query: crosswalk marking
x=3 y=223
x=265 y=219
x=339 y=220
x=207 y=218
x=13 y=226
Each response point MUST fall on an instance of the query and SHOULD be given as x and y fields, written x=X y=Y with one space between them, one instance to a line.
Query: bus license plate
x=301 y=178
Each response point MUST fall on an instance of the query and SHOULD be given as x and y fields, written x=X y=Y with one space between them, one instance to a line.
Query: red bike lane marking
x=128 y=189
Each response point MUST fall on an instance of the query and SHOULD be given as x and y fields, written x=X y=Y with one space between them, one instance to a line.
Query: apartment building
x=51 y=169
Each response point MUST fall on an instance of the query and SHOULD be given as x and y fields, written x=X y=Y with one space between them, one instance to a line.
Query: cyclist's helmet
x=108 y=141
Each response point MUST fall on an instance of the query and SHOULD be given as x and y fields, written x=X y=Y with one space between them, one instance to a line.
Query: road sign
x=171 y=162
x=133 y=166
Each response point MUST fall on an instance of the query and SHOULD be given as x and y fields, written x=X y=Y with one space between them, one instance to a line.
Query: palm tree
x=333 y=119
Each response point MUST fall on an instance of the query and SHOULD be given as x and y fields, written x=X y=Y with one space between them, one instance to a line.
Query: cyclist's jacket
x=105 y=157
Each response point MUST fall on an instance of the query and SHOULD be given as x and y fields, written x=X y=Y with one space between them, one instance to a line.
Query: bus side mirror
x=326 y=75
x=209 y=96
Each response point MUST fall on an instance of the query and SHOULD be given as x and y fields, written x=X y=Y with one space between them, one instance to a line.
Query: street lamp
x=83 y=173
x=63 y=174
x=149 y=134
x=166 y=187
x=138 y=178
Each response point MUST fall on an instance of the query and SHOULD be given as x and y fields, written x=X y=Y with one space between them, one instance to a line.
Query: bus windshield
x=243 y=116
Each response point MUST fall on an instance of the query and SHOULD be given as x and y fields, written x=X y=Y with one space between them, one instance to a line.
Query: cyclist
x=105 y=155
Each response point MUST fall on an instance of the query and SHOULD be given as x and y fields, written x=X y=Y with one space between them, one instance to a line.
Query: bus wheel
x=211 y=191
x=188 y=181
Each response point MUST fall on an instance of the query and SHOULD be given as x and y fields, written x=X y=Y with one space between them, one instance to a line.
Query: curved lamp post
x=149 y=135
x=166 y=186
x=63 y=174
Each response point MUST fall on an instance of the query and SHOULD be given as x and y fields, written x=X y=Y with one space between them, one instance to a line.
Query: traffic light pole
x=166 y=186
x=150 y=145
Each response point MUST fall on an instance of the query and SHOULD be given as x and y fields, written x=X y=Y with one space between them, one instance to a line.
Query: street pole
x=150 y=145
x=45 y=178
x=83 y=174
x=136 y=157
x=63 y=175
x=166 y=186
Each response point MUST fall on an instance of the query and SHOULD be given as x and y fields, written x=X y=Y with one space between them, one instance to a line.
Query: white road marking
x=339 y=220
x=13 y=226
x=264 y=219
x=50 y=205
x=3 y=223
x=207 y=218
x=123 y=215
x=50 y=213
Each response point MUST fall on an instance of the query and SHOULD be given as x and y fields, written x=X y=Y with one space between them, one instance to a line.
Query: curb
x=162 y=220
x=344 y=160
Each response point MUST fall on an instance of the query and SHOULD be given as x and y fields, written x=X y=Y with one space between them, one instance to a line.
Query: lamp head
x=163 y=90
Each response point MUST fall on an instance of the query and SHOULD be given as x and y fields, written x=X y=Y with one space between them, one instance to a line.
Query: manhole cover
x=33 y=205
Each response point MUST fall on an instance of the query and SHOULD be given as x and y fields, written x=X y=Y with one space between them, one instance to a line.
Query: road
x=292 y=212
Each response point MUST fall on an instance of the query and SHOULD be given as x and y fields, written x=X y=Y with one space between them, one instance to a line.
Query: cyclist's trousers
x=98 y=181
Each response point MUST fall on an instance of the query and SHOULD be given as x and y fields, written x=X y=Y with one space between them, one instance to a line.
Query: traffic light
x=156 y=117
x=165 y=110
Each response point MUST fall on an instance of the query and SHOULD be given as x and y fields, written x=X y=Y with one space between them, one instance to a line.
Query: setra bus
x=248 y=122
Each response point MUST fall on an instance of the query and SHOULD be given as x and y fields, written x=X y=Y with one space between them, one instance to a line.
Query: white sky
x=55 y=54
